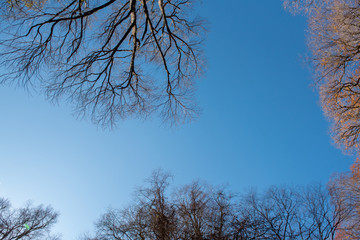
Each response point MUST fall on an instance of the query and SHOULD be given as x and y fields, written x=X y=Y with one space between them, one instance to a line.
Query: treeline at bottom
x=199 y=211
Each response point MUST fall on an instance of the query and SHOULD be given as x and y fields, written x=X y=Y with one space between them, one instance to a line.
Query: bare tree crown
x=26 y=223
x=199 y=211
x=113 y=59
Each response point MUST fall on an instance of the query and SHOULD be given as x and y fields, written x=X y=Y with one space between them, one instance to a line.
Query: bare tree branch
x=26 y=223
x=113 y=59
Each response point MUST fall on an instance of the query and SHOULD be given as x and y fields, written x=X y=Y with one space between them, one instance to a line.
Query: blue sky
x=261 y=125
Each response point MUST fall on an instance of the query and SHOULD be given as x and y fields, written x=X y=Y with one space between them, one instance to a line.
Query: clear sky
x=261 y=125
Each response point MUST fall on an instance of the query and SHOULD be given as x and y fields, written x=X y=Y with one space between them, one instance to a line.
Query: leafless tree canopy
x=199 y=211
x=113 y=59
x=334 y=41
x=289 y=213
x=39 y=221
x=203 y=212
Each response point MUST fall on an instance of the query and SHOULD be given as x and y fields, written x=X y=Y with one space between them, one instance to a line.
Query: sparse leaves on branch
x=345 y=192
x=334 y=42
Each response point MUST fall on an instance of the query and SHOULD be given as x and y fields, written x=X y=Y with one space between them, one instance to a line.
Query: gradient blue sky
x=261 y=125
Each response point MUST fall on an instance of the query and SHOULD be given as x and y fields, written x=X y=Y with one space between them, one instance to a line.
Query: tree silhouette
x=199 y=211
x=112 y=59
x=26 y=223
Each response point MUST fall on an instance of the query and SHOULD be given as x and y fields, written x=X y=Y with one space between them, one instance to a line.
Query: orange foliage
x=345 y=192
x=342 y=235
x=334 y=41
x=355 y=171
